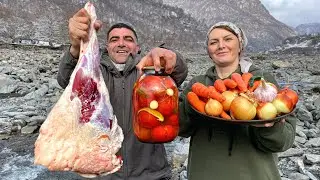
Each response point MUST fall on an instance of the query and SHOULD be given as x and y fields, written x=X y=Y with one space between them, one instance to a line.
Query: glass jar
x=155 y=107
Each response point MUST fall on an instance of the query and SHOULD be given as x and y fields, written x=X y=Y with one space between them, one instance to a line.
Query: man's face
x=121 y=43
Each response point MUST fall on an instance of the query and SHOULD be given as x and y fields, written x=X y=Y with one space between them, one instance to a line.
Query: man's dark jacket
x=141 y=161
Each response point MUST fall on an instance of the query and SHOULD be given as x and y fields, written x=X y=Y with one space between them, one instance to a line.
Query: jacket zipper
x=125 y=171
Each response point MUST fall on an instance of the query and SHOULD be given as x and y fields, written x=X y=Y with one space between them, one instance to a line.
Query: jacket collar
x=245 y=65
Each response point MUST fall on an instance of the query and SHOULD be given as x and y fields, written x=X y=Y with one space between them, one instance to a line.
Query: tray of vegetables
x=242 y=99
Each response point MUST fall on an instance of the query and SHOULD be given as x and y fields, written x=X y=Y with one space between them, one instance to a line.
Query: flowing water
x=16 y=159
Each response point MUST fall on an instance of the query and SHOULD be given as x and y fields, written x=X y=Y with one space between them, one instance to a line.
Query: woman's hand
x=267 y=124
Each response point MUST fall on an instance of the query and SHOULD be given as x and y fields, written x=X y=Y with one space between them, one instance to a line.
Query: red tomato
x=150 y=87
x=172 y=120
x=147 y=120
x=160 y=94
x=169 y=83
x=144 y=100
x=167 y=105
x=143 y=134
x=164 y=133
x=150 y=81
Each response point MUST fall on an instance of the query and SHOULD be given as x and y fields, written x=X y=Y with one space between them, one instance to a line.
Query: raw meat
x=81 y=132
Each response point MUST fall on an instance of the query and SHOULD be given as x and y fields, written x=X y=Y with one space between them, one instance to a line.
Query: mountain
x=301 y=44
x=262 y=29
x=310 y=28
x=181 y=24
x=48 y=20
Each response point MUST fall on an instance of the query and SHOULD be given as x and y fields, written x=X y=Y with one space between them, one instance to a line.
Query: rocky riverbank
x=29 y=89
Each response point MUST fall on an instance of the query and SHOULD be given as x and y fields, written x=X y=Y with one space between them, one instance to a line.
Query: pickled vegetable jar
x=155 y=107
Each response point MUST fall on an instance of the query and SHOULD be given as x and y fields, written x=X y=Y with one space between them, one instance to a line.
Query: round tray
x=235 y=121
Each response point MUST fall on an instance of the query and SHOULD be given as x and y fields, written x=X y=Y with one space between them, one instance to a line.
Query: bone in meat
x=81 y=133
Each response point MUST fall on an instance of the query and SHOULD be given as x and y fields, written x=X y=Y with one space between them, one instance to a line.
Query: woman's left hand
x=268 y=124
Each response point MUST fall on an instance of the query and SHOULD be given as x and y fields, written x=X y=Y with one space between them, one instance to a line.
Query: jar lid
x=151 y=70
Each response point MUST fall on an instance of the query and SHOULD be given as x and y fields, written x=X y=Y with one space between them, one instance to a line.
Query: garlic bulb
x=266 y=92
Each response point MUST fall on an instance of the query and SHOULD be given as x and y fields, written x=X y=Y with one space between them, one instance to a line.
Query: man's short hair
x=122 y=25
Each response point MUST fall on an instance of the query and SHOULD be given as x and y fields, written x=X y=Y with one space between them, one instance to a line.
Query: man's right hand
x=79 y=29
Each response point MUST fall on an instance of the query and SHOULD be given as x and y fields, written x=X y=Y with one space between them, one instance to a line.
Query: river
x=16 y=159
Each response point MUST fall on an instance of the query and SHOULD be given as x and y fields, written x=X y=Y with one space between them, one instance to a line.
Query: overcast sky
x=294 y=12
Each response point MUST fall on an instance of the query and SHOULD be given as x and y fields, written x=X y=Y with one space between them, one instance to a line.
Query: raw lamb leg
x=81 y=132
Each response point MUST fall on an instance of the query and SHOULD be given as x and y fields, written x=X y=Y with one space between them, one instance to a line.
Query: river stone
x=28 y=129
x=281 y=64
x=312 y=158
x=298 y=176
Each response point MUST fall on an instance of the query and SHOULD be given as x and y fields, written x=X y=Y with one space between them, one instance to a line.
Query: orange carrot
x=203 y=99
x=195 y=102
x=255 y=85
x=224 y=115
x=219 y=85
x=200 y=90
x=207 y=92
x=240 y=83
x=229 y=83
x=236 y=90
x=214 y=94
x=246 y=78
x=212 y=88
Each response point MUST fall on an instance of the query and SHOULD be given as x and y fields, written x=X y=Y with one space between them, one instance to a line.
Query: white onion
x=242 y=108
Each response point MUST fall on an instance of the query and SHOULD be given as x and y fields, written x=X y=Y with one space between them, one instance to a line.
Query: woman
x=225 y=151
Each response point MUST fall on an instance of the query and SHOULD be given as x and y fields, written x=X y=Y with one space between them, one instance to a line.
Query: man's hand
x=78 y=29
x=159 y=57
x=268 y=124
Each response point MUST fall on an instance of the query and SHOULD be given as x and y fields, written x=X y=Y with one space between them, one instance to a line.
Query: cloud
x=294 y=12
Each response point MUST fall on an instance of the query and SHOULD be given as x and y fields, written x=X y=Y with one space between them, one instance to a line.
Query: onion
x=213 y=107
x=153 y=104
x=243 y=108
x=291 y=94
x=229 y=95
x=283 y=103
x=266 y=92
x=266 y=111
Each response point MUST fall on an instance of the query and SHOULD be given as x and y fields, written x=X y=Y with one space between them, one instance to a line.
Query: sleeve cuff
x=69 y=58
x=266 y=131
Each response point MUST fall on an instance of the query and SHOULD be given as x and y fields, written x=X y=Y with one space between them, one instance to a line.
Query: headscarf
x=244 y=62
x=238 y=31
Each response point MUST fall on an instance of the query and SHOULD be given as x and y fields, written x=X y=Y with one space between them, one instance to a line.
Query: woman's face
x=223 y=47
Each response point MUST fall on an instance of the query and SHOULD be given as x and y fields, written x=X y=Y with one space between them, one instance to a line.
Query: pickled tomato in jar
x=155 y=107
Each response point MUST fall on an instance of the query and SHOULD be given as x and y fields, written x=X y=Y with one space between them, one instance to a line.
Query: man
x=121 y=67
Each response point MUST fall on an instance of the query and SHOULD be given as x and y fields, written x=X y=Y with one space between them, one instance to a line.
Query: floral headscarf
x=240 y=34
